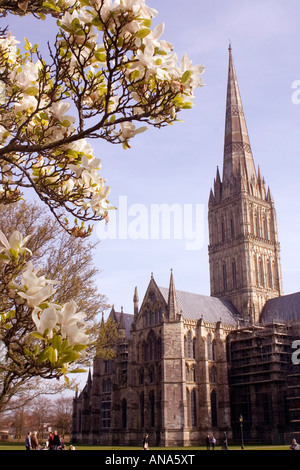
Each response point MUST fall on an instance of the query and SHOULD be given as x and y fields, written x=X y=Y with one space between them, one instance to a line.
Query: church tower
x=244 y=252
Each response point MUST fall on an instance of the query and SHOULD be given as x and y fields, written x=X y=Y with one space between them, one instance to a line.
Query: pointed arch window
x=209 y=348
x=189 y=344
x=214 y=350
x=188 y=401
x=194 y=348
x=106 y=411
x=193 y=408
x=213 y=375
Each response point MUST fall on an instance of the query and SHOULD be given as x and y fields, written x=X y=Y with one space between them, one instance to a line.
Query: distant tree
x=69 y=261
x=62 y=411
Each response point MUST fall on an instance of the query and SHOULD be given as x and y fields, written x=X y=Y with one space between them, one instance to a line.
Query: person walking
x=146 y=442
x=225 y=442
x=35 y=442
x=28 y=441
x=213 y=443
x=56 y=441
x=50 y=441
x=207 y=440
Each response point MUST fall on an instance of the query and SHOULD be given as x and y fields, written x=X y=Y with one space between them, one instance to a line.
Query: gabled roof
x=285 y=308
x=211 y=309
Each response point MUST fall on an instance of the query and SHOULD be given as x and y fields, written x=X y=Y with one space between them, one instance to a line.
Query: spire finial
x=229 y=46
x=172 y=301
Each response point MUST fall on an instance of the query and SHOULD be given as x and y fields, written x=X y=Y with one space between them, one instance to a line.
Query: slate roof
x=285 y=308
x=211 y=309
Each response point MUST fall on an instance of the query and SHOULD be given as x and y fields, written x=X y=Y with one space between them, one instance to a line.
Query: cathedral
x=190 y=365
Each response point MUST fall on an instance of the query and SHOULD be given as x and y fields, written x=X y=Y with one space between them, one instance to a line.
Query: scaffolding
x=259 y=360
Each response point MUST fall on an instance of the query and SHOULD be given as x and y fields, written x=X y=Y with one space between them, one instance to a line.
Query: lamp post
x=241 y=424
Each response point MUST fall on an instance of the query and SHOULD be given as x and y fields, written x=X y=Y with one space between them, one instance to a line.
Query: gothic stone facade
x=189 y=365
x=169 y=377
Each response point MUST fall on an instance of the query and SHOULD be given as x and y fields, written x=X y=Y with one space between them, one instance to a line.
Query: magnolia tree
x=108 y=75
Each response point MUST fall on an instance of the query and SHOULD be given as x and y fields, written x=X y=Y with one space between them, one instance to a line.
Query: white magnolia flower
x=90 y=180
x=195 y=79
x=81 y=146
x=27 y=103
x=139 y=7
x=99 y=203
x=35 y=296
x=154 y=36
x=45 y=319
x=67 y=186
x=76 y=336
x=14 y=245
x=35 y=290
x=9 y=45
x=27 y=76
x=80 y=30
x=128 y=130
x=59 y=109
x=71 y=323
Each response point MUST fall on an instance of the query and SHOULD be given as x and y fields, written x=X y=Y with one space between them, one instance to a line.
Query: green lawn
x=20 y=446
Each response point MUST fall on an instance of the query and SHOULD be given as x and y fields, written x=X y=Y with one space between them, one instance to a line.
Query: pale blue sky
x=178 y=164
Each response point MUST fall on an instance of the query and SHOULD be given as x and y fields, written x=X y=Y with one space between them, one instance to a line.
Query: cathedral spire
x=244 y=253
x=172 y=300
x=237 y=151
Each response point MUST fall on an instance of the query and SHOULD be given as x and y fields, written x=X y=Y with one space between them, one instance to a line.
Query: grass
x=20 y=446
